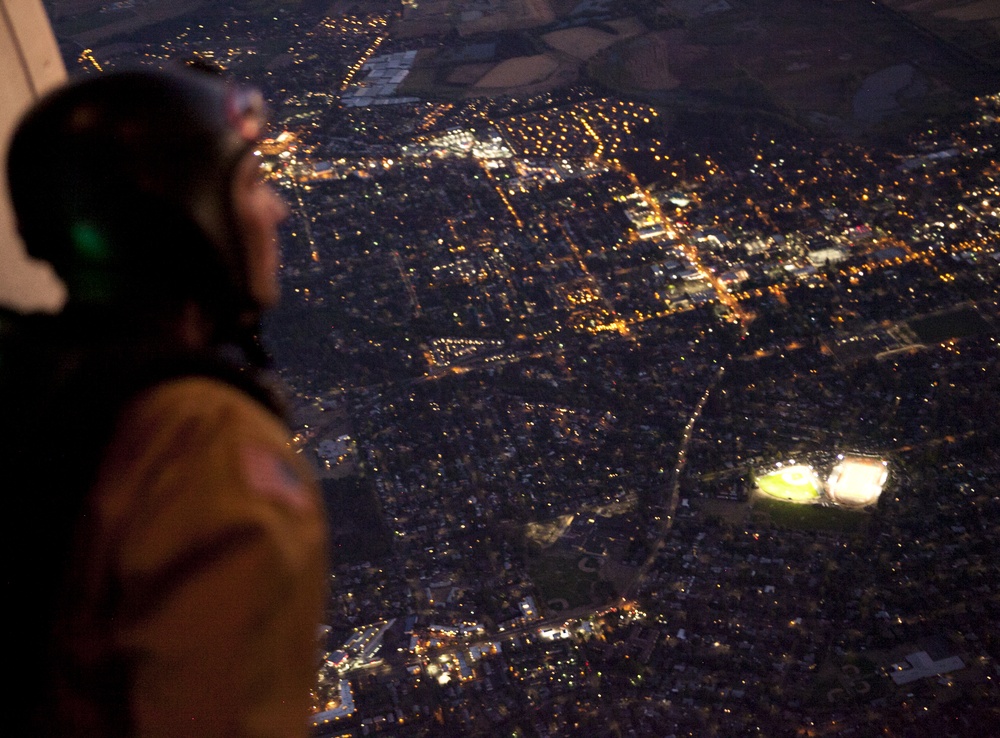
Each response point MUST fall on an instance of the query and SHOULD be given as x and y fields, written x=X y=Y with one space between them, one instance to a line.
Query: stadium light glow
x=857 y=481
x=797 y=483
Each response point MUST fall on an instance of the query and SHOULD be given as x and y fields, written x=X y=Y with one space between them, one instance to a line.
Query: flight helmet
x=123 y=182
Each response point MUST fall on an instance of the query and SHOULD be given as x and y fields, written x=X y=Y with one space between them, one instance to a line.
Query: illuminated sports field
x=797 y=483
x=857 y=481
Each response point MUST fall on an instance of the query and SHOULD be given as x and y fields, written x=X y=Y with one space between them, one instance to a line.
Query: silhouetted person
x=165 y=557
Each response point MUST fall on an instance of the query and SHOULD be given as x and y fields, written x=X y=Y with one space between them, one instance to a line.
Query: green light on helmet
x=89 y=242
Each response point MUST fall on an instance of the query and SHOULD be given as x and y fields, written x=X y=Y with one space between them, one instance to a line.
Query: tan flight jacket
x=200 y=573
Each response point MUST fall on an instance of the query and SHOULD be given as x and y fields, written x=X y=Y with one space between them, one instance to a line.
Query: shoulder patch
x=271 y=476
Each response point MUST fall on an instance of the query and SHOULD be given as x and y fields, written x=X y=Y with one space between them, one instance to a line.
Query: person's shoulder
x=202 y=426
x=198 y=389
x=201 y=437
x=211 y=402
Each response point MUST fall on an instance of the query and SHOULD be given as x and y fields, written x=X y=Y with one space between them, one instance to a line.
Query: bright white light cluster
x=857 y=481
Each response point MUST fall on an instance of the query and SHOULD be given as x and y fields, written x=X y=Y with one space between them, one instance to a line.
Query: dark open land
x=958 y=323
x=845 y=65
x=94 y=22
x=829 y=65
x=558 y=577
x=88 y=23
x=357 y=533
x=809 y=517
x=841 y=65
x=971 y=26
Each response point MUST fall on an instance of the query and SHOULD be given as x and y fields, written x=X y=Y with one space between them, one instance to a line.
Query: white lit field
x=857 y=481
x=796 y=483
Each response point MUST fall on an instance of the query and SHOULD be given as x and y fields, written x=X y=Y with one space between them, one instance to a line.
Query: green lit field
x=797 y=484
